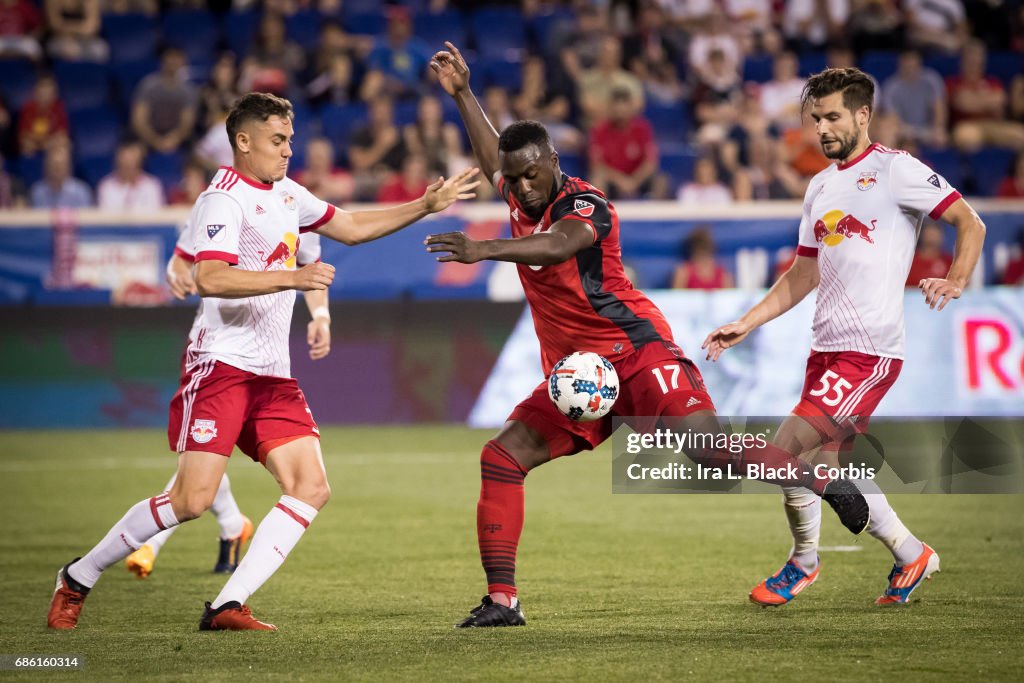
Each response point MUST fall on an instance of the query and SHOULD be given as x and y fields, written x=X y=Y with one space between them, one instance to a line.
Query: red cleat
x=232 y=617
x=66 y=606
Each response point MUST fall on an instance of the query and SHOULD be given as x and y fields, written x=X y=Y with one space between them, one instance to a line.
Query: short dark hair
x=522 y=133
x=857 y=87
x=256 y=106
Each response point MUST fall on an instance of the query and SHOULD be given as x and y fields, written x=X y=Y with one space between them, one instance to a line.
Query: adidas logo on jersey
x=260 y=210
x=692 y=402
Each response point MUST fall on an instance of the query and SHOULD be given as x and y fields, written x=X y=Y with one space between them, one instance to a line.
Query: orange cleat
x=141 y=561
x=785 y=585
x=231 y=617
x=903 y=580
x=66 y=605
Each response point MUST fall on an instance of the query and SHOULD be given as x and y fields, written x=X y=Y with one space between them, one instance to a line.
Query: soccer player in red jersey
x=236 y=386
x=565 y=240
x=861 y=218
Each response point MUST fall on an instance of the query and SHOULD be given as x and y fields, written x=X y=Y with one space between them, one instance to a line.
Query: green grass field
x=614 y=587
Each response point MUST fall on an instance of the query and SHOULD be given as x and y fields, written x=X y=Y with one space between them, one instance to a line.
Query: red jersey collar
x=871 y=148
x=249 y=181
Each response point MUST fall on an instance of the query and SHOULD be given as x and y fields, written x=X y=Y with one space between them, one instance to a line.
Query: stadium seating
x=95 y=133
x=503 y=72
x=757 y=68
x=239 y=31
x=364 y=23
x=165 y=166
x=434 y=29
x=499 y=32
x=19 y=77
x=82 y=85
x=989 y=166
x=194 y=31
x=304 y=27
x=880 y=63
x=671 y=122
x=677 y=161
x=131 y=37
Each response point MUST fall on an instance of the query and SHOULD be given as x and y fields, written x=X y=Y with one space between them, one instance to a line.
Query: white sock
x=887 y=527
x=803 y=512
x=139 y=524
x=274 y=539
x=226 y=510
x=157 y=542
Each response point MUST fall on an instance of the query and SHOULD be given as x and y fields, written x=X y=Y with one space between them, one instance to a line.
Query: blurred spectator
x=917 y=96
x=274 y=61
x=1013 y=274
x=58 y=189
x=751 y=124
x=594 y=87
x=810 y=25
x=408 y=185
x=580 y=44
x=978 y=105
x=751 y=21
x=716 y=99
x=498 y=108
x=147 y=7
x=716 y=36
x=8 y=137
x=801 y=150
x=699 y=269
x=321 y=177
x=652 y=56
x=780 y=97
x=436 y=140
x=764 y=176
x=75 y=30
x=193 y=183
x=376 y=150
x=538 y=102
x=936 y=25
x=705 y=188
x=21 y=27
x=214 y=149
x=1012 y=186
x=886 y=129
x=875 y=24
x=1017 y=98
x=398 y=62
x=624 y=154
x=43 y=120
x=220 y=92
x=334 y=85
x=333 y=42
x=129 y=188
x=12 y=194
x=930 y=260
x=164 y=106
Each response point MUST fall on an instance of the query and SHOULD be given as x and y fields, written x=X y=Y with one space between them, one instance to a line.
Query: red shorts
x=842 y=390
x=219 y=406
x=654 y=381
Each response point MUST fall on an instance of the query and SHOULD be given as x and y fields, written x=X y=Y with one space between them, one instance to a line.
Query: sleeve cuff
x=184 y=255
x=231 y=259
x=328 y=215
x=943 y=205
x=584 y=221
x=809 y=252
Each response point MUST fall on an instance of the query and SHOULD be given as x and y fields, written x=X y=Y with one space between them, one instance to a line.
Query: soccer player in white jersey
x=235 y=528
x=236 y=388
x=861 y=219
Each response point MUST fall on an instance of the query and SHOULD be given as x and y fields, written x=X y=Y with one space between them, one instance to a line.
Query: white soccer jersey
x=253 y=226
x=861 y=220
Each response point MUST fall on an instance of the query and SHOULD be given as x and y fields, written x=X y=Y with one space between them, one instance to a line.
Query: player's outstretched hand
x=938 y=291
x=725 y=337
x=313 y=276
x=318 y=336
x=179 y=277
x=450 y=67
x=443 y=193
x=460 y=248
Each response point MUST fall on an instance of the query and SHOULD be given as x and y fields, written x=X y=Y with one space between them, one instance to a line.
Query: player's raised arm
x=970 y=236
x=355 y=227
x=453 y=75
x=558 y=244
x=795 y=284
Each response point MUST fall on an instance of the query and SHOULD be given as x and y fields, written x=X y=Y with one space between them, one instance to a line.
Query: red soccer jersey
x=586 y=303
x=623 y=149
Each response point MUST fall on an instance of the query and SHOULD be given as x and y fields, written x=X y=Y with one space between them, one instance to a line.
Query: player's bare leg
x=504 y=463
x=298 y=466
x=199 y=475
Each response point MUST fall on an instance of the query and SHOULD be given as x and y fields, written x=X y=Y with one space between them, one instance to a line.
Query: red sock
x=499 y=517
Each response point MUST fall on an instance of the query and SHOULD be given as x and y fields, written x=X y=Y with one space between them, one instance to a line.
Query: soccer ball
x=583 y=386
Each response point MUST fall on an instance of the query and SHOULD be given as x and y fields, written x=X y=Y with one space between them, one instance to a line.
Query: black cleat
x=849 y=503
x=227 y=558
x=490 y=613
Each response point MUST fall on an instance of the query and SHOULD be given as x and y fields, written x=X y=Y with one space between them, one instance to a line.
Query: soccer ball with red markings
x=583 y=386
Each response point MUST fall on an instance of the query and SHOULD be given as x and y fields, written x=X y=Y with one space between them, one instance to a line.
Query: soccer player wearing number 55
x=861 y=219
x=236 y=387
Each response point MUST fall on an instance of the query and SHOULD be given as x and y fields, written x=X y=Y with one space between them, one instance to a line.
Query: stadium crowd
x=121 y=103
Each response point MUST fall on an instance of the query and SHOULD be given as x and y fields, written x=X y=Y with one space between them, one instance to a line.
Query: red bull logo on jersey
x=204 y=431
x=835 y=226
x=867 y=180
x=289 y=201
x=283 y=255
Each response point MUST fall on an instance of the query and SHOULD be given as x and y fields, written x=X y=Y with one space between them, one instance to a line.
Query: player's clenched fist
x=450 y=67
x=314 y=276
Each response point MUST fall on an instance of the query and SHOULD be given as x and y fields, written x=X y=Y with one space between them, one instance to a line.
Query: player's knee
x=190 y=505
x=316 y=494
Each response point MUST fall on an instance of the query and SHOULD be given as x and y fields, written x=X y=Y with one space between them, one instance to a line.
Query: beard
x=845 y=148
